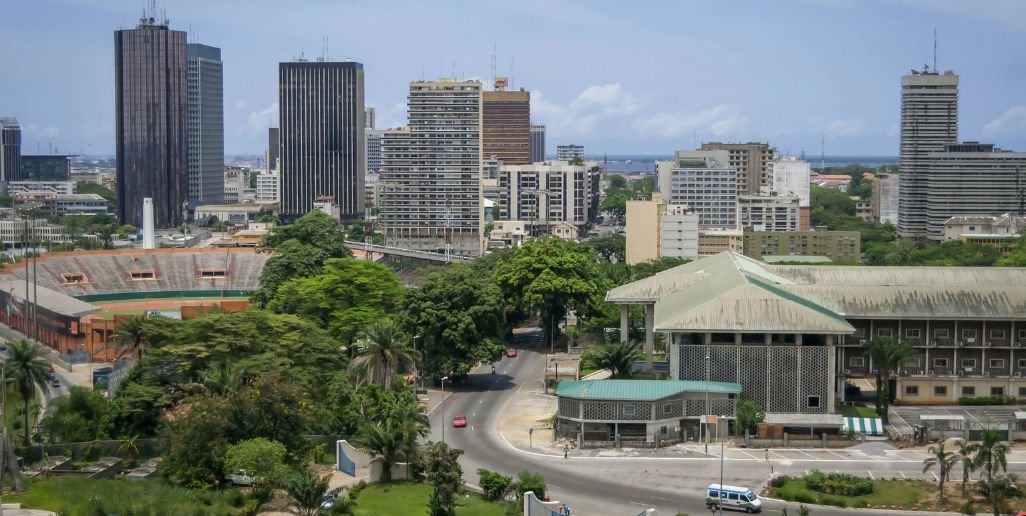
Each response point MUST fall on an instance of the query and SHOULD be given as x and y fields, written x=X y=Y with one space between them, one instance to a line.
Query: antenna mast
x=494 y=51
x=935 y=50
x=822 y=155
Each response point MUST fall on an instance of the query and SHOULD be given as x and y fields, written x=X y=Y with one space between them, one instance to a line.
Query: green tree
x=383 y=440
x=966 y=451
x=356 y=232
x=298 y=250
x=615 y=203
x=87 y=187
x=747 y=416
x=259 y=457
x=273 y=407
x=222 y=378
x=195 y=443
x=77 y=417
x=131 y=335
x=991 y=454
x=26 y=367
x=617 y=357
x=612 y=248
x=618 y=182
x=445 y=474
x=944 y=460
x=496 y=486
x=998 y=490
x=306 y=491
x=527 y=481
x=887 y=355
x=413 y=424
x=384 y=352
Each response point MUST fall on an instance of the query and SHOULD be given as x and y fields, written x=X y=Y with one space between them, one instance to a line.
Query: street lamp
x=420 y=371
x=444 y=378
x=707 y=403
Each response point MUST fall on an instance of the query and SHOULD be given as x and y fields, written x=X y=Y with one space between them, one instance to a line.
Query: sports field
x=140 y=307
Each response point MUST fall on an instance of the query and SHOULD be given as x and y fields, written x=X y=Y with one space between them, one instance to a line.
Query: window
x=142 y=275
x=968 y=391
x=997 y=391
x=73 y=278
x=628 y=410
x=969 y=333
x=941 y=333
x=996 y=363
x=1022 y=392
x=1022 y=334
x=668 y=409
x=911 y=390
x=732 y=496
x=997 y=334
x=885 y=332
x=713 y=493
x=940 y=390
x=211 y=273
x=968 y=363
x=813 y=401
x=857 y=361
x=912 y=333
x=940 y=362
x=1021 y=364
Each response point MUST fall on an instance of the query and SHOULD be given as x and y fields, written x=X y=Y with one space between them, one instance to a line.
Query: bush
x=250 y=507
x=802 y=497
x=495 y=485
x=527 y=481
x=833 y=500
x=838 y=483
x=987 y=400
x=777 y=482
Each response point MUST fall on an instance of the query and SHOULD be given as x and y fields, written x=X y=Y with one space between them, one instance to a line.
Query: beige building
x=715 y=241
x=642 y=228
x=753 y=162
x=768 y=212
x=863 y=208
x=839 y=246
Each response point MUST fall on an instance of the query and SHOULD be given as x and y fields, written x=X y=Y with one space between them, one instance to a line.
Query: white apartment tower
x=431 y=170
x=678 y=233
x=705 y=183
x=545 y=194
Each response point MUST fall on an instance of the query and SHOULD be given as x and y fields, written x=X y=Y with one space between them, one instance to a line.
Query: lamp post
x=420 y=371
x=721 y=461
x=444 y=378
x=707 y=402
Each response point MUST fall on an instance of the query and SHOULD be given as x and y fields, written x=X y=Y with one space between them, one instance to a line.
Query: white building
x=234 y=213
x=791 y=177
x=705 y=183
x=886 y=194
x=545 y=194
x=507 y=233
x=18 y=234
x=1003 y=225
x=569 y=152
x=768 y=212
x=51 y=187
x=268 y=187
x=678 y=233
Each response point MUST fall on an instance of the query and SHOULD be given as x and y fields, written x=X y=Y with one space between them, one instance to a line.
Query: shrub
x=777 y=482
x=527 y=481
x=802 y=497
x=838 y=483
x=495 y=485
x=987 y=400
x=833 y=500
x=249 y=507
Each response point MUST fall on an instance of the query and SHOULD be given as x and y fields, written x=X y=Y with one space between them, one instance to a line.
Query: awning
x=863 y=425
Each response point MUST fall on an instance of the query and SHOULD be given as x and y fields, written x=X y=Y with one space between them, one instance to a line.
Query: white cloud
x=587 y=112
x=846 y=127
x=394 y=116
x=256 y=122
x=718 y=121
x=1013 y=120
x=36 y=131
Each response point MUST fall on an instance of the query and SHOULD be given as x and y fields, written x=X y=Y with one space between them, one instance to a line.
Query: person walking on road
x=566 y=451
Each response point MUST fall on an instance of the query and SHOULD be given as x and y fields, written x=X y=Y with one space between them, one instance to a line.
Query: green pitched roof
x=639 y=390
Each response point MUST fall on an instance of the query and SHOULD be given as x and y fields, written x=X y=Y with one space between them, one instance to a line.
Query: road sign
x=709 y=420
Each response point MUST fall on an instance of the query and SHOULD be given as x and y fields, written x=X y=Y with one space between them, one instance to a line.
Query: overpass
x=399 y=252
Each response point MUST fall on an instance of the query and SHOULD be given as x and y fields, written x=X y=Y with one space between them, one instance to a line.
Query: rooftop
x=642 y=390
x=795 y=259
x=49 y=299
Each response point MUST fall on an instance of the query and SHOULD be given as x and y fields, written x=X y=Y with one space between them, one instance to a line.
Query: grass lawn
x=72 y=495
x=903 y=494
x=858 y=411
x=411 y=499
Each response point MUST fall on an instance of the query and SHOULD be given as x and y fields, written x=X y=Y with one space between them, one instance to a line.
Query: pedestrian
x=566 y=451
x=567 y=509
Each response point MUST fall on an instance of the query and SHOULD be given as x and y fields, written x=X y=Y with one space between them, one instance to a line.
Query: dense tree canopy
x=299 y=250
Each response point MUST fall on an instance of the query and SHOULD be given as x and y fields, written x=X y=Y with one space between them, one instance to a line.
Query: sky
x=647 y=77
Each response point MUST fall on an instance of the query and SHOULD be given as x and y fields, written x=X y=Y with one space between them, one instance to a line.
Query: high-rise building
x=45 y=168
x=368 y=117
x=374 y=150
x=642 y=228
x=929 y=123
x=506 y=125
x=790 y=176
x=273 y=149
x=150 y=63
x=537 y=143
x=569 y=152
x=678 y=233
x=545 y=194
x=323 y=137
x=705 y=183
x=206 y=125
x=886 y=192
x=752 y=162
x=268 y=187
x=431 y=170
x=768 y=212
x=10 y=150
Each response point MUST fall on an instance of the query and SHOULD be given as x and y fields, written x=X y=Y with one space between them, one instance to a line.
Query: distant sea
x=642 y=163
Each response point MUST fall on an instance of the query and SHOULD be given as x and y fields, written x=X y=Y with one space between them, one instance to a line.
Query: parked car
x=460 y=421
x=56 y=382
x=511 y=352
x=3 y=346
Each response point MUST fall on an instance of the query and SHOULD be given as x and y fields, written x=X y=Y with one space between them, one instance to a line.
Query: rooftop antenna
x=935 y=50
x=494 y=51
x=512 y=83
x=822 y=155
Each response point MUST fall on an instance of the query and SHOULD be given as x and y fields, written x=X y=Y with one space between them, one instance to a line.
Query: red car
x=460 y=421
x=511 y=352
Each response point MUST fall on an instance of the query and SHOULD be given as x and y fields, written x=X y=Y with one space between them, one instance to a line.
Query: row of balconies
x=949 y=343
x=968 y=372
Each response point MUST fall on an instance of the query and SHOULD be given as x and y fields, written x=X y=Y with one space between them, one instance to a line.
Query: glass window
x=997 y=391
x=941 y=333
x=969 y=333
x=813 y=401
x=940 y=362
x=997 y=363
x=732 y=496
x=912 y=333
x=1021 y=364
x=968 y=391
x=628 y=410
x=940 y=390
x=968 y=363
x=997 y=334
x=857 y=361
x=885 y=332
x=912 y=390
x=1022 y=391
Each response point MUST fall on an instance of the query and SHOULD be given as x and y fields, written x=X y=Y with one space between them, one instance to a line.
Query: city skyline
x=781 y=74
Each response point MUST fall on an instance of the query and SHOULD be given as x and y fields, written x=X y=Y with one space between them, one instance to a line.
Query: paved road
x=600 y=485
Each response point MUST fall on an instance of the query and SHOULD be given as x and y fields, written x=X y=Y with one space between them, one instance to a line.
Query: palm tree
x=307 y=491
x=944 y=460
x=412 y=423
x=965 y=456
x=26 y=367
x=385 y=353
x=131 y=335
x=130 y=446
x=998 y=490
x=384 y=440
x=991 y=454
x=223 y=378
x=887 y=354
x=618 y=357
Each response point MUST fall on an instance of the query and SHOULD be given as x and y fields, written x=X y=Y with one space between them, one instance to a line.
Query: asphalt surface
x=590 y=485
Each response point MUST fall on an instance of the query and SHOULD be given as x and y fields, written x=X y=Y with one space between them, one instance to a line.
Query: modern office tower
x=929 y=123
x=678 y=233
x=768 y=212
x=323 y=137
x=569 y=152
x=374 y=137
x=839 y=246
x=431 y=170
x=10 y=150
x=886 y=193
x=45 y=168
x=752 y=162
x=790 y=176
x=205 y=77
x=506 y=133
x=537 y=143
x=368 y=117
x=273 y=149
x=150 y=63
x=968 y=178
x=705 y=183
x=545 y=194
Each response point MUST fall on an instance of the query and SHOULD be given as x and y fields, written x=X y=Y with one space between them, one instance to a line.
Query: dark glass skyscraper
x=151 y=103
x=206 y=125
x=322 y=136
x=10 y=149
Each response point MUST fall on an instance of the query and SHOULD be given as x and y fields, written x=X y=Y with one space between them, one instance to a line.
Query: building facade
x=537 y=143
x=53 y=187
x=929 y=123
x=323 y=136
x=10 y=150
x=886 y=192
x=997 y=225
x=569 y=152
x=268 y=187
x=369 y=117
x=374 y=137
x=205 y=78
x=86 y=204
x=642 y=230
x=506 y=126
x=768 y=212
x=431 y=171
x=791 y=176
x=150 y=63
x=45 y=168
x=545 y=194
x=752 y=161
x=839 y=246
x=678 y=233
x=716 y=241
x=273 y=149
x=702 y=181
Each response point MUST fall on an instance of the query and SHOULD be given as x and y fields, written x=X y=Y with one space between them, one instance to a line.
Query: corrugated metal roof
x=780 y=418
x=795 y=258
x=912 y=276
x=640 y=390
x=917 y=301
x=50 y=299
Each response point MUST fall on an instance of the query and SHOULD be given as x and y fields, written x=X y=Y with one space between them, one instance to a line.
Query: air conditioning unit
x=1020 y=343
x=847 y=372
x=862 y=342
x=960 y=343
x=903 y=372
x=967 y=371
x=1017 y=374
x=930 y=372
x=931 y=343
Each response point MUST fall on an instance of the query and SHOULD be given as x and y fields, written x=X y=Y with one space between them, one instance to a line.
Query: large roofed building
x=792 y=335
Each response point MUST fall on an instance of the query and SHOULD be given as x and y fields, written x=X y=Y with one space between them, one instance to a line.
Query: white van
x=732 y=497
